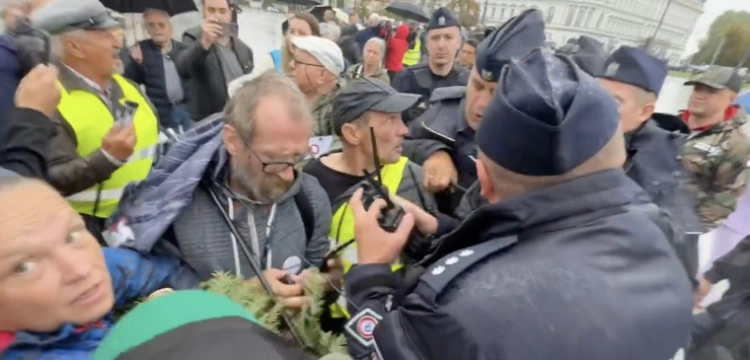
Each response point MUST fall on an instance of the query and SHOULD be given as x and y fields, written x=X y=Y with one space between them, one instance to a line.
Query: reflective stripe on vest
x=413 y=55
x=342 y=228
x=91 y=119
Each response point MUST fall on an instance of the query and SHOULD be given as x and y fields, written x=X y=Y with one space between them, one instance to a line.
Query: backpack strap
x=306 y=212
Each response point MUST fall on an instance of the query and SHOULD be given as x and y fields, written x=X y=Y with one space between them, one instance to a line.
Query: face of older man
x=262 y=165
x=158 y=26
x=96 y=50
x=52 y=270
x=309 y=74
x=373 y=54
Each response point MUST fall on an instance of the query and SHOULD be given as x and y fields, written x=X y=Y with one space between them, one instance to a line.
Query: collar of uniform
x=73 y=80
x=544 y=210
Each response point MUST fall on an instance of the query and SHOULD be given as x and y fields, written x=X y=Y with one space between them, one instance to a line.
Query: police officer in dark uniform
x=560 y=265
x=445 y=132
x=634 y=78
x=443 y=43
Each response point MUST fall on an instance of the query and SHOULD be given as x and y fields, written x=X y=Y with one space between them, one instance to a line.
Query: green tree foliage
x=466 y=10
x=735 y=26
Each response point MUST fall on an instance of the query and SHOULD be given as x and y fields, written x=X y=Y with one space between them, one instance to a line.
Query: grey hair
x=381 y=44
x=373 y=20
x=57 y=44
x=240 y=111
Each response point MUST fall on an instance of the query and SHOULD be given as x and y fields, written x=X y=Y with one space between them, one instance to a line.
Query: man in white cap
x=107 y=130
x=316 y=66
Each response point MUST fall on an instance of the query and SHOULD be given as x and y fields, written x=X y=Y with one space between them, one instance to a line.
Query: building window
x=550 y=14
x=571 y=14
x=599 y=22
x=580 y=16
x=589 y=16
x=512 y=10
x=502 y=12
x=492 y=14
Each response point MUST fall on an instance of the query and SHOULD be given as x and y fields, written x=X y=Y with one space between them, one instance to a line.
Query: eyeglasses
x=306 y=63
x=275 y=167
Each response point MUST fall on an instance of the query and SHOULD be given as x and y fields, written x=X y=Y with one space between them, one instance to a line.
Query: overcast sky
x=712 y=10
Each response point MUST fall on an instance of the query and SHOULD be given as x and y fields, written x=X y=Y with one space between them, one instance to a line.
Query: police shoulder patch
x=361 y=327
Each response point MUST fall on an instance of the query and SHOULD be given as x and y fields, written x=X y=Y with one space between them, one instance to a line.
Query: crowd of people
x=543 y=209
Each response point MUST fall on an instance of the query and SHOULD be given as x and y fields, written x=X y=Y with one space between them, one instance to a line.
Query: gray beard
x=267 y=189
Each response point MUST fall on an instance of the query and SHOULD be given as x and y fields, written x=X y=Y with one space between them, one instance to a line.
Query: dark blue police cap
x=636 y=67
x=442 y=18
x=547 y=117
x=515 y=39
x=588 y=53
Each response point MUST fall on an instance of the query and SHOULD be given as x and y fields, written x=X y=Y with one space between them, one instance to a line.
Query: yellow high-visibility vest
x=342 y=228
x=413 y=55
x=91 y=119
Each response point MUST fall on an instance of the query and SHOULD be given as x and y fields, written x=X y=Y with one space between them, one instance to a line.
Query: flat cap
x=362 y=95
x=61 y=16
x=636 y=67
x=547 y=117
x=587 y=52
x=719 y=78
x=515 y=39
x=442 y=18
x=324 y=50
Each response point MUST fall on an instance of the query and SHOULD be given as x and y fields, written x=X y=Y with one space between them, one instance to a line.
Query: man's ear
x=350 y=133
x=485 y=182
x=232 y=140
x=647 y=111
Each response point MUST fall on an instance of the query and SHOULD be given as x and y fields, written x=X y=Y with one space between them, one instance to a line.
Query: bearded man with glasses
x=238 y=168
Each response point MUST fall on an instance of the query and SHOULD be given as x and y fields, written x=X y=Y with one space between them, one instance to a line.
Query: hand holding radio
x=375 y=244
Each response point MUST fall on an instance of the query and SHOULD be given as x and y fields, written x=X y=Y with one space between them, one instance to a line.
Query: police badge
x=486 y=75
x=612 y=69
x=441 y=21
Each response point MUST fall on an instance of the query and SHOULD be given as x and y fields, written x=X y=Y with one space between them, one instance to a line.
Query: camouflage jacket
x=719 y=160
x=322 y=112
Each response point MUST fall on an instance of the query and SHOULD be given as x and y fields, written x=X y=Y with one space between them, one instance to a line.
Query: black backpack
x=306 y=212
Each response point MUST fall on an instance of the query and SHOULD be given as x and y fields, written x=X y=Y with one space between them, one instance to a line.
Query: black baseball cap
x=719 y=78
x=362 y=95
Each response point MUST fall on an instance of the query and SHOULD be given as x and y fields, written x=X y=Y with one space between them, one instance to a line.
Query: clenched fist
x=39 y=91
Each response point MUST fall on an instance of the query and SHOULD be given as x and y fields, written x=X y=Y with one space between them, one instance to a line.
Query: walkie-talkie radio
x=391 y=215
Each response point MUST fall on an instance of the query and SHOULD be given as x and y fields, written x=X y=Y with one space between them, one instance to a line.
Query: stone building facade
x=613 y=22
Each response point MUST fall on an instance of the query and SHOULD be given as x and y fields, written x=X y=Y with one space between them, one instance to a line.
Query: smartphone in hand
x=230 y=29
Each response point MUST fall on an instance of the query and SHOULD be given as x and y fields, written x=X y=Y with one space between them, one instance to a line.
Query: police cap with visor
x=61 y=16
x=636 y=67
x=547 y=117
x=442 y=18
x=516 y=38
x=362 y=95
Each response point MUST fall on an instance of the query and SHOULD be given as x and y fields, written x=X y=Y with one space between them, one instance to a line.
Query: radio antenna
x=375 y=156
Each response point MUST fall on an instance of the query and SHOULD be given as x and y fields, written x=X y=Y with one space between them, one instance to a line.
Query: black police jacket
x=575 y=271
x=655 y=163
x=419 y=79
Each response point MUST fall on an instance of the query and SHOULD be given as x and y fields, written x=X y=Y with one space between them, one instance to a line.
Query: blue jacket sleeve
x=10 y=76
x=135 y=275
x=414 y=330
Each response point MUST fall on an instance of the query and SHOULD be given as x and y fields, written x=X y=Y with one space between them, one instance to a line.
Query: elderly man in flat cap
x=442 y=42
x=563 y=263
x=367 y=117
x=444 y=134
x=634 y=78
x=107 y=130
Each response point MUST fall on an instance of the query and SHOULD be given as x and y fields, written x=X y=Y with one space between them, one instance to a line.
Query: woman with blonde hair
x=372 y=65
x=302 y=24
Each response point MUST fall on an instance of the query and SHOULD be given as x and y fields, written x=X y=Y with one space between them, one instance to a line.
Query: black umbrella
x=301 y=2
x=319 y=11
x=408 y=10
x=172 y=7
